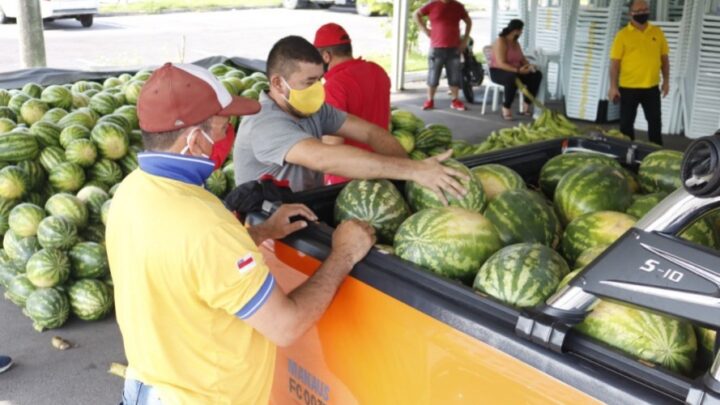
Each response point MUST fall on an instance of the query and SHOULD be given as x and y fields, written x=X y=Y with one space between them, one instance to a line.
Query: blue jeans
x=137 y=393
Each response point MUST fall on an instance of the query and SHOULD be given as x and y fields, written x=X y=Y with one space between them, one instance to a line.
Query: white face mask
x=187 y=142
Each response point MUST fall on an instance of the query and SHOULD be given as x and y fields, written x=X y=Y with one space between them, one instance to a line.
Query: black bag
x=473 y=73
x=250 y=197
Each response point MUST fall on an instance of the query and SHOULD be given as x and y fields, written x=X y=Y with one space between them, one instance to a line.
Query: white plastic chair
x=489 y=85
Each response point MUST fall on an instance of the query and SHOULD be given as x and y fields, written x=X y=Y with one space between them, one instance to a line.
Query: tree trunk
x=32 y=40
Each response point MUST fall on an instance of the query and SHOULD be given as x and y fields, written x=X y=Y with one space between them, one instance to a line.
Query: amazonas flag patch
x=246 y=263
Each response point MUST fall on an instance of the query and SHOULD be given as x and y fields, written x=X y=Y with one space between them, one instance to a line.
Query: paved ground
x=154 y=39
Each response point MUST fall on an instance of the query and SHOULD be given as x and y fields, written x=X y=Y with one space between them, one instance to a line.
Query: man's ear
x=326 y=56
x=192 y=136
x=276 y=82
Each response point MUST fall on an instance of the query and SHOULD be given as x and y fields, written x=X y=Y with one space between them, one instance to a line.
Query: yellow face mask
x=306 y=101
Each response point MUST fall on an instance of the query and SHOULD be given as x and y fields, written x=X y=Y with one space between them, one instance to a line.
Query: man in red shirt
x=445 y=46
x=353 y=85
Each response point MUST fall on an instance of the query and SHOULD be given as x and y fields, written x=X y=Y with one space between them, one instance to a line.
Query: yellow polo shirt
x=186 y=273
x=639 y=53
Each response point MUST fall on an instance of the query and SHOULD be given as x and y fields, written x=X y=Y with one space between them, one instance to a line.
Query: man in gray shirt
x=283 y=140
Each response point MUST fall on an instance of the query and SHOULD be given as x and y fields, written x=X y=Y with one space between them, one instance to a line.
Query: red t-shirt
x=444 y=22
x=360 y=88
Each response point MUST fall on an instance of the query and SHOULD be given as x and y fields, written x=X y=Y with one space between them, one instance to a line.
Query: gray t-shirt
x=264 y=139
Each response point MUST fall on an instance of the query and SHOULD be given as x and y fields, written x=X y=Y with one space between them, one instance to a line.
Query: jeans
x=650 y=101
x=137 y=393
x=507 y=79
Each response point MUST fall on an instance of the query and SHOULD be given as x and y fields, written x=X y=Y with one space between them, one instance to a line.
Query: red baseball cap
x=180 y=96
x=330 y=35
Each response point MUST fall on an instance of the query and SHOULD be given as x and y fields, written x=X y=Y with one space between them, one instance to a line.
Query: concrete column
x=400 y=22
x=32 y=40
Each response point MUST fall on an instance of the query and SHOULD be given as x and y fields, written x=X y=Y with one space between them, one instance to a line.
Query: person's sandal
x=507 y=116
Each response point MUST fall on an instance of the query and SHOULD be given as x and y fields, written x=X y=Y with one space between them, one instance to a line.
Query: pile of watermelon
x=520 y=243
x=64 y=149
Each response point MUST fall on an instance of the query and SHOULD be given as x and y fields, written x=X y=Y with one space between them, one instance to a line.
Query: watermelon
x=48 y=268
x=67 y=177
x=660 y=171
x=405 y=138
x=82 y=152
x=94 y=197
x=104 y=103
x=496 y=179
x=589 y=255
x=521 y=275
x=78 y=117
x=13 y=183
x=111 y=139
x=248 y=82
x=72 y=133
x=418 y=155
x=557 y=167
x=132 y=91
x=655 y=338
x=18 y=249
x=376 y=202
x=702 y=232
x=105 y=210
x=33 y=110
x=16 y=147
x=47 y=133
x=219 y=69
x=90 y=299
x=8 y=271
x=706 y=339
x=250 y=93
x=216 y=183
x=524 y=216
x=6 y=125
x=33 y=90
x=259 y=76
x=107 y=172
x=118 y=120
x=51 y=157
x=4 y=97
x=235 y=73
x=69 y=207
x=35 y=174
x=111 y=82
x=129 y=163
x=452 y=242
x=89 y=93
x=24 y=219
x=229 y=171
x=89 y=260
x=142 y=75
x=591 y=188
x=642 y=204
x=94 y=233
x=433 y=136
x=136 y=138
x=233 y=85
x=632 y=180
x=404 y=120
x=17 y=101
x=56 y=233
x=57 y=96
x=261 y=86
x=594 y=229
x=19 y=289
x=130 y=114
x=54 y=115
x=80 y=86
x=80 y=100
x=421 y=197
x=9 y=113
x=568 y=278
x=6 y=207
x=48 y=308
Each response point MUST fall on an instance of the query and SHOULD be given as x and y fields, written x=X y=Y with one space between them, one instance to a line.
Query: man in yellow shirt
x=638 y=55
x=197 y=307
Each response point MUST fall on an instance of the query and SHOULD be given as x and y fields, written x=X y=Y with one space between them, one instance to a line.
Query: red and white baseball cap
x=330 y=35
x=180 y=96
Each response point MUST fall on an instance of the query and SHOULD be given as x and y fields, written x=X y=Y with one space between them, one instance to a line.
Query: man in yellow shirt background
x=638 y=55
x=198 y=309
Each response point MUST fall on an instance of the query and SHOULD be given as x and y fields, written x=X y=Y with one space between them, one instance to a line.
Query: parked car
x=81 y=10
x=364 y=7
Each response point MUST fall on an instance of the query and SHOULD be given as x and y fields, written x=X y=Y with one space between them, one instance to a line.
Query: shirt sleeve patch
x=246 y=263
x=258 y=299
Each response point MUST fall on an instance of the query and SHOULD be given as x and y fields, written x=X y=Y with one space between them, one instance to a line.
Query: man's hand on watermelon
x=289 y=218
x=441 y=179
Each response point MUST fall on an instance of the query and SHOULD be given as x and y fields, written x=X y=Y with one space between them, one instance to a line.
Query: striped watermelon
x=48 y=268
x=4 y=97
x=105 y=210
x=18 y=249
x=54 y=115
x=702 y=232
x=25 y=218
x=524 y=216
x=51 y=157
x=418 y=155
x=16 y=147
x=90 y=299
x=111 y=139
x=8 y=270
x=654 y=338
x=13 y=183
x=132 y=91
x=107 y=172
x=78 y=117
x=89 y=260
x=33 y=90
x=19 y=289
x=589 y=255
x=6 y=207
x=129 y=163
x=72 y=133
x=554 y=170
x=521 y=275
x=89 y=93
x=47 y=133
x=592 y=188
x=216 y=183
x=68 y=206
x=111 y=82
x=130 y=114
x=404 y=120
x=229 y=172
x=496 y=179
x=452 y=242
x=82 y=152
x=34 y=172
x=94 y=233
x=706 y=339
x=6 y=125
x=57 y=96
x=118 y=120
x=48 y=308
x=33 y=110
x=594 y=229
x=642 y=204
x=421 y=197
x=104 y=103
x=94 y=197
x=56 y=233
x=219 y=69
x=9 y=113
x=660 y=171
x=433 y=136
x=405 y=138
x=17 y=100
x=142 y=75
x=67 y=177
x=80 y=100
x=376 y=202
x=80 y=86
x=632 y=180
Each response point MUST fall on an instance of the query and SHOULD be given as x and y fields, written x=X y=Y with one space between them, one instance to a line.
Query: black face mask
x=641 y=18
x=326 y=66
